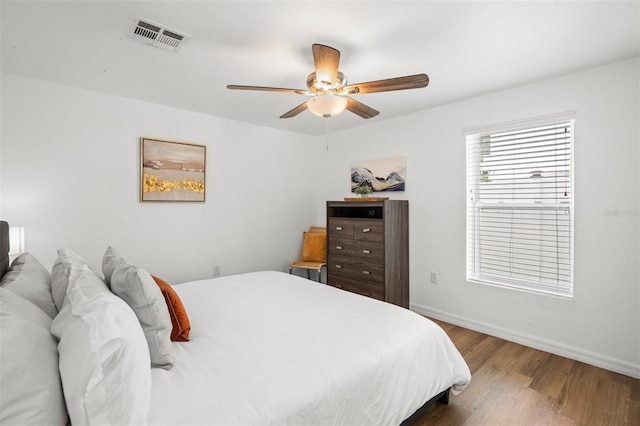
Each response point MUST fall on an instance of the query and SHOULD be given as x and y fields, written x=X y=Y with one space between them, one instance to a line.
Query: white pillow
x=104 y=359
x=28 y=278
x=60 y=274
x=137 y=287
x=29 y=378
x=109 y=261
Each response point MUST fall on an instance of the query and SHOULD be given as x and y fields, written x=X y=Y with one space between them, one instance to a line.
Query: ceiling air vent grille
x=156 y=35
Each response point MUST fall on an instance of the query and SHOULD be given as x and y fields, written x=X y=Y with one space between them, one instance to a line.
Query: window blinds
x=520 y=208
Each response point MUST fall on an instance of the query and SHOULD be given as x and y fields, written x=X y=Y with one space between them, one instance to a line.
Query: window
x=520 y=207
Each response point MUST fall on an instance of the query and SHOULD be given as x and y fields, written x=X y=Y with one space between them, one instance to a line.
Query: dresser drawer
x=368 y=230
x=375 y=291
x=341 y=228
x=364 y=250
x=355 y=268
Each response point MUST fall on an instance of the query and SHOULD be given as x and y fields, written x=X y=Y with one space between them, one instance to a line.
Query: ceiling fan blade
x=326 y=60
x=267 y=89
x=399 y=83
x=361 y=109
x=297 y=110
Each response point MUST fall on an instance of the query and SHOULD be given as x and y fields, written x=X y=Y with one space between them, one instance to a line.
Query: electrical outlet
x=216 y=270
x=434 y=277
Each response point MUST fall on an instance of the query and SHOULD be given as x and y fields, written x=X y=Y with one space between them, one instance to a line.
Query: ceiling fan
x=329 y=91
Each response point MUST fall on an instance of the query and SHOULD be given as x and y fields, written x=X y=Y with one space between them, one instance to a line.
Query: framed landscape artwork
x=381 y=175
x=172 y=171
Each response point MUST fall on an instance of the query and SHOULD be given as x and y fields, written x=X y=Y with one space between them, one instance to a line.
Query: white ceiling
x=466 y=47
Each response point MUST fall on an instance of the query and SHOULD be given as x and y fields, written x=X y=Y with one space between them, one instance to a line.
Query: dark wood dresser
x=368 y=248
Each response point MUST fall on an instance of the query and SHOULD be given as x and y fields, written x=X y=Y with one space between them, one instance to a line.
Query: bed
x=261 y=348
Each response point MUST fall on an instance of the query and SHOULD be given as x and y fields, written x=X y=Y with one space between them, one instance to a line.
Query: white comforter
x=272 y=348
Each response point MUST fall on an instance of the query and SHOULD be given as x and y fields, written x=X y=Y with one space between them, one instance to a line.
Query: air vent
x=156 y=35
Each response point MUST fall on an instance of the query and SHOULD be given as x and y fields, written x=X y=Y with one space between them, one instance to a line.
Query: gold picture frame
x=172 y=171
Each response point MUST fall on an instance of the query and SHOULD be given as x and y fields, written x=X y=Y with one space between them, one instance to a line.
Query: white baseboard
x=582 y=355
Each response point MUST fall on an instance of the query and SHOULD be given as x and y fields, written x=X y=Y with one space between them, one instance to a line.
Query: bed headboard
x=4 y=247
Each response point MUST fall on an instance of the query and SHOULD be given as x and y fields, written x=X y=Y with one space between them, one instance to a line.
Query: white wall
x=71 y=174
x=601 y=325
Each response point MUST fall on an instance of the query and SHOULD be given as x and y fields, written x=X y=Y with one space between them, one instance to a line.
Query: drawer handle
x=338 y=247
x=365 y=272
x=366 y=230
x=366 y=251
x=338 y=228
x=338 y=266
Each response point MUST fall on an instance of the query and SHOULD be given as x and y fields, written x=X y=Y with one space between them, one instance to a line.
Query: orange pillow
x=314 y=248
x=179 y=319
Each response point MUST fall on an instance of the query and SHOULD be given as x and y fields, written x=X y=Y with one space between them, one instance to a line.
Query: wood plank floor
x=515 y=385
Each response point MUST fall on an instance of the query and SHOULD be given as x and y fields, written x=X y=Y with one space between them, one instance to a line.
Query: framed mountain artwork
x=380 y=175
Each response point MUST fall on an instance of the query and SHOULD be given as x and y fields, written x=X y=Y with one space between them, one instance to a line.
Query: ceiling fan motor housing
x=321 y=87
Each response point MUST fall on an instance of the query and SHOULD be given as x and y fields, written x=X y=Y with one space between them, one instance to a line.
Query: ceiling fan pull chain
x=326 y=140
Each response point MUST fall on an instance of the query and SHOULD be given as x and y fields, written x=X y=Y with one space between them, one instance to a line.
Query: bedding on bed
x=255 y=348
x=273 y=348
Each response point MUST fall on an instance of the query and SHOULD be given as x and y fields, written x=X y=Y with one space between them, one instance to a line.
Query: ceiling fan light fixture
x=327 y=105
